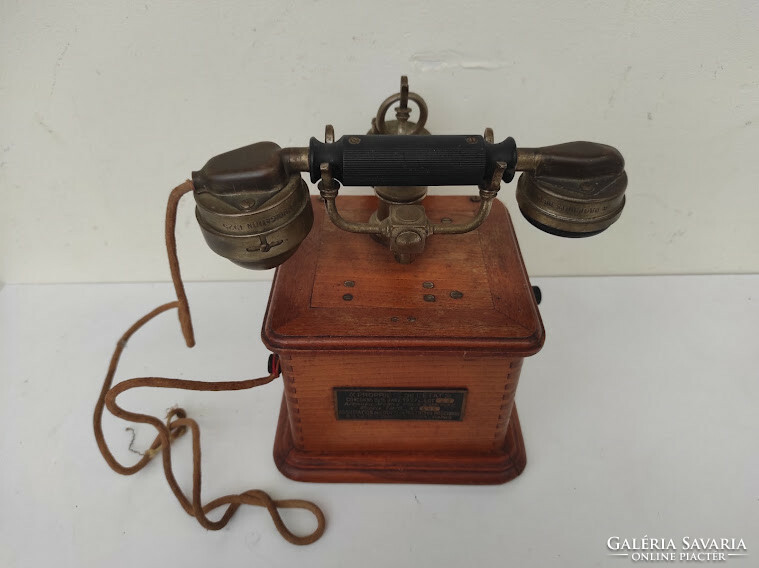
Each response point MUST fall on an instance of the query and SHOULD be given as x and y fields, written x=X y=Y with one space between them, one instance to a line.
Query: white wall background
x=105 y=106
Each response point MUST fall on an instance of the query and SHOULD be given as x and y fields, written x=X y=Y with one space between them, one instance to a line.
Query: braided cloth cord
x=177 y=423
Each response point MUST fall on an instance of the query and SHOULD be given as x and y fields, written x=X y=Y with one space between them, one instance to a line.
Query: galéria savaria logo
x=687 y=549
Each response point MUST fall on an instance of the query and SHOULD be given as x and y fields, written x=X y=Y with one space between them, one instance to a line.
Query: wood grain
x=497 y=313
x=382 y=282
x=464 y=468
x=387 y=336
x=310 y=379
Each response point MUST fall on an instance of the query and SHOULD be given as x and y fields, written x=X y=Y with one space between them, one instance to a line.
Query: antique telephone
x=398 y=367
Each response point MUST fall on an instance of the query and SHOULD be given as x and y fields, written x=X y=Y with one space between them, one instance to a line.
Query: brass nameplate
x=399 y=404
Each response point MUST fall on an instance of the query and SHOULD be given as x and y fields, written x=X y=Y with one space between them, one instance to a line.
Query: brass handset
x=254 y=208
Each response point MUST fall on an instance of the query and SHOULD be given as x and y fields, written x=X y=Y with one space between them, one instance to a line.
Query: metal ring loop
x=387 y=103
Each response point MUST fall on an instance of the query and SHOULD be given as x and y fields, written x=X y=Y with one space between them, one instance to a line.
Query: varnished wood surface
x=458 y=264
x=388 y=336
x=497 y=312
x=310 y=379
x=466 y=468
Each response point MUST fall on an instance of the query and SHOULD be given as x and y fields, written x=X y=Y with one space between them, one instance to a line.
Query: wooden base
x=400 y=466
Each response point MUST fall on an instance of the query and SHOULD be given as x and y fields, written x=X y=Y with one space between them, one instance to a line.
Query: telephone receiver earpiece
x=250 y=209
x=575 y=189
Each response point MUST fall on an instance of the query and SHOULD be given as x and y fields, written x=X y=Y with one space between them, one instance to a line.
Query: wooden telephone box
x=402 y=373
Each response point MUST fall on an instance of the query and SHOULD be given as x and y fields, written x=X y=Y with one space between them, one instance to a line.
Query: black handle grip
x=412 y=160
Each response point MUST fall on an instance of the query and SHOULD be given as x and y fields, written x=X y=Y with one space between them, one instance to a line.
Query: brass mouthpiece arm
x=527 y=159
x=459 y=228
x=295 y=159
x=351 y=226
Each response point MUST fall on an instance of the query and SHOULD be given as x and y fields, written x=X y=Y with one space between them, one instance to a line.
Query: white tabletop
x=640 y=418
